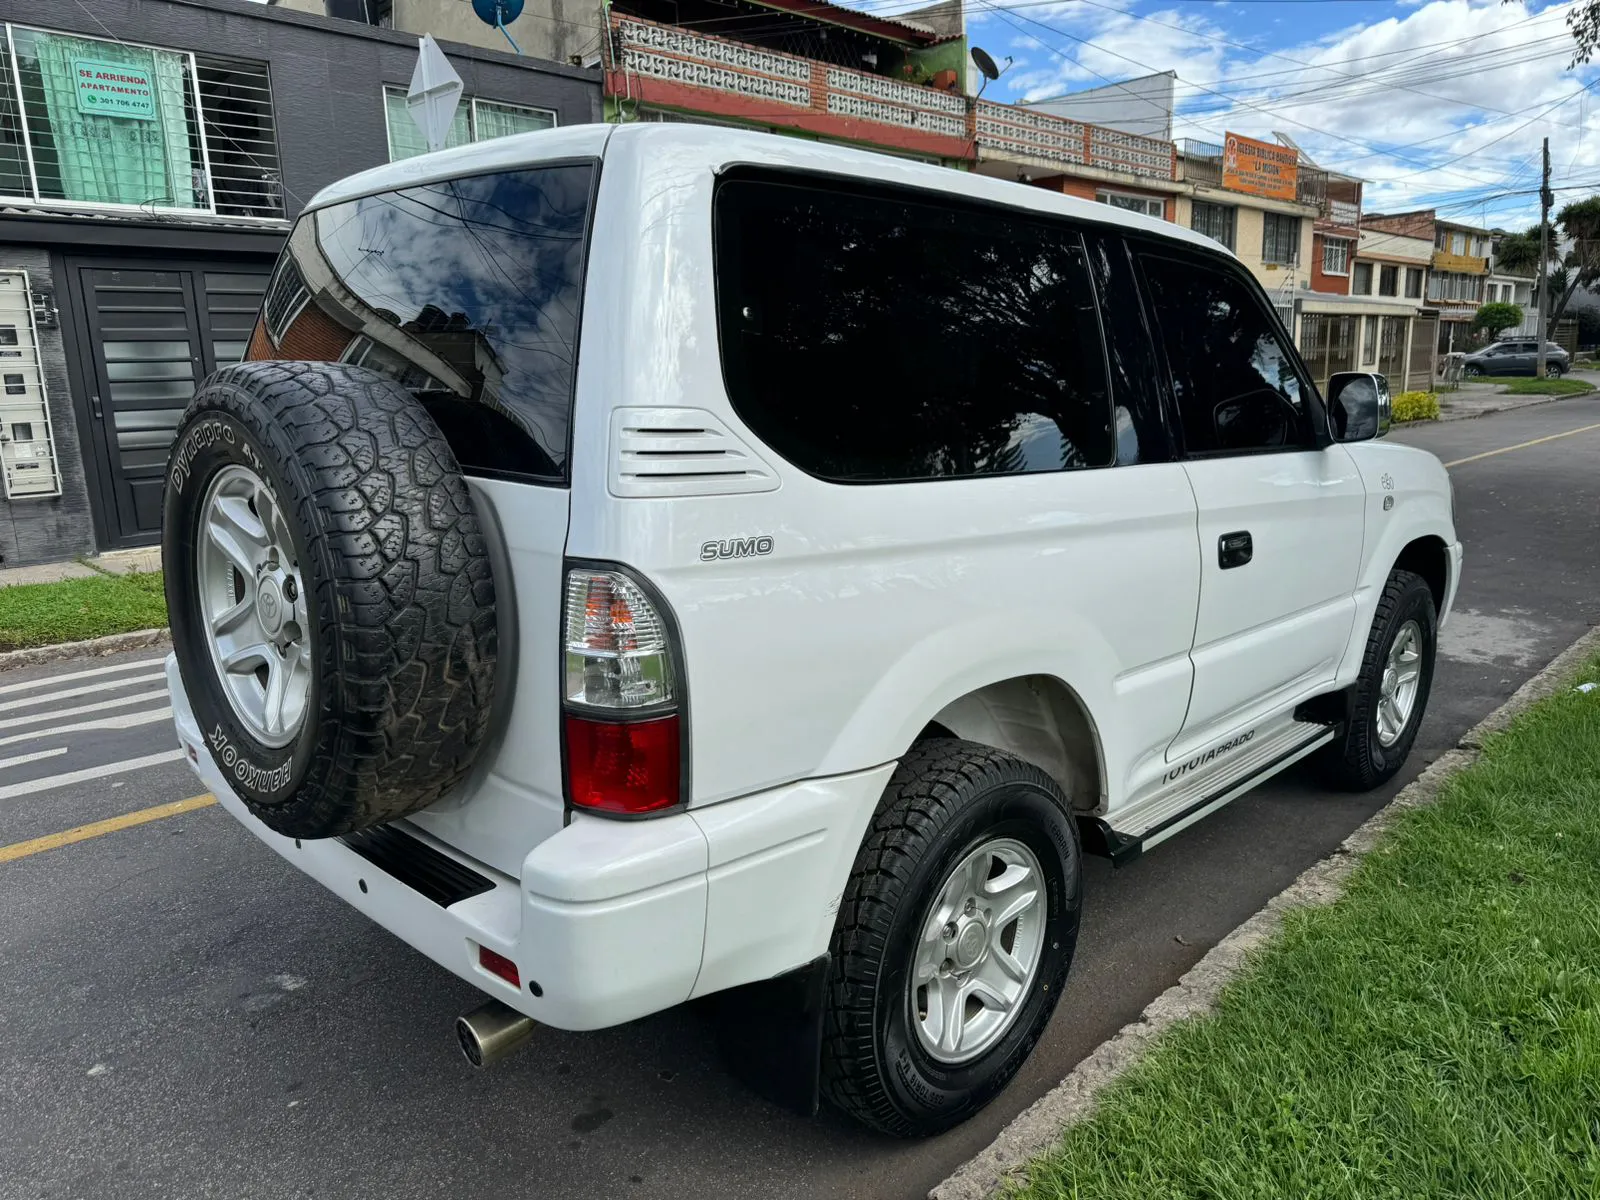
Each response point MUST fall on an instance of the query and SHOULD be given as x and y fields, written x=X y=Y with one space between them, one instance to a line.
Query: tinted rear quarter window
x=874 y=336
x=465 y=291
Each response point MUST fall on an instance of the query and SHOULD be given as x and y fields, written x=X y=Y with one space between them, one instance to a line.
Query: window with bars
x=1414 y=283
x=1335 y=256
x=89 y=121
x=475 y=121
x=1388 y=280
x=1216 y=221
x=1361 y=281
x=1280 y=239
x=1150 y=206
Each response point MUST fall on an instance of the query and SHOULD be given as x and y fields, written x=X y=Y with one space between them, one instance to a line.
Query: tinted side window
x=1235 y=384
x=872 y=337
x=464 y=291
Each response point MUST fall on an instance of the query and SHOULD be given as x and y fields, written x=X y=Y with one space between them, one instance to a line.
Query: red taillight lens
x=622 y=766
x=499 y=964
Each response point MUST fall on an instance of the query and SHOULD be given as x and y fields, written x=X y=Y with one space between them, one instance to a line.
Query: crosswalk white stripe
x=88 y=773
x=126 y=721
x=86 y=690
x=159 y=695
x=47 y=681
x=23 y=759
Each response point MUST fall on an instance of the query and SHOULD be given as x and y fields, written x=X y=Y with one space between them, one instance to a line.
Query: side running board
x=1099 y=837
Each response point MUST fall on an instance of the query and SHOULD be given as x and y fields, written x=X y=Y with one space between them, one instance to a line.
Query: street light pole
x=1544 y=258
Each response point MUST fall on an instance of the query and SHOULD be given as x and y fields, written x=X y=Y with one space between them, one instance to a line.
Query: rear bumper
x=613 y=920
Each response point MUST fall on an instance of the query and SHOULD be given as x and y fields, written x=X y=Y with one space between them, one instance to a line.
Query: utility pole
x=1544 y=257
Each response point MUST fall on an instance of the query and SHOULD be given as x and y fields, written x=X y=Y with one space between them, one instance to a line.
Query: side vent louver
x=681 y=452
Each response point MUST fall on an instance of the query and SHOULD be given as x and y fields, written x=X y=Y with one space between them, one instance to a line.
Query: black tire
x=1360 y=761
x=398 y=590
x=1554 y=370
x=946 y=797
x=1470 y=372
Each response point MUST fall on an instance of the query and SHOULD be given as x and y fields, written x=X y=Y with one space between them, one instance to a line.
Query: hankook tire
x=330 y=595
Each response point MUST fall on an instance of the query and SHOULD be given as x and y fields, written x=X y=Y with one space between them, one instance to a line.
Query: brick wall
x=45 y=530
x=1338 y=285
x=1417 y=224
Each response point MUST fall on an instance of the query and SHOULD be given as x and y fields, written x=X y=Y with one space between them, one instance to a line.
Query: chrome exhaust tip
x=490 y=1033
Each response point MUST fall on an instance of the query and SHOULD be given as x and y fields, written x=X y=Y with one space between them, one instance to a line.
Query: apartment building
x=1458 y=269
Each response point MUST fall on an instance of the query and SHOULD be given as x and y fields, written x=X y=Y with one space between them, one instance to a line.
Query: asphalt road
x=182 y=1014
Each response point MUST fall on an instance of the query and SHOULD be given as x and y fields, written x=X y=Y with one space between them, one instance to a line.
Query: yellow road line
x=83 y=833
x=1520 y=446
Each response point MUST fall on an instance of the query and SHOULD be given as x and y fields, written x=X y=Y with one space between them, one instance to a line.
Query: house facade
x=151 y=164
x=1458 y=269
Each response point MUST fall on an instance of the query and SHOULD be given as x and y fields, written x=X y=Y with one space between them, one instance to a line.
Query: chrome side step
x=1172 y=812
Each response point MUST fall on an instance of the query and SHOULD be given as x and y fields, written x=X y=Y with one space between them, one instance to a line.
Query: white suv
x=644 y=563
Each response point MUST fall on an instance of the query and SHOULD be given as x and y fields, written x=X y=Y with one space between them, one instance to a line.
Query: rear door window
x=1236 y=384
x=872 y=336
x=465 y=291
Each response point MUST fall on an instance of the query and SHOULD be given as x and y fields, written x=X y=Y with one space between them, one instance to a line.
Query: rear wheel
x=954 y=938
x=1554 y=370
x=1391 y=694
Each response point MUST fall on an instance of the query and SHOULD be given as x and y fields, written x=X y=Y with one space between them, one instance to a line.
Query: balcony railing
x=1007 y=131
x=790 y=87
x=783 y=89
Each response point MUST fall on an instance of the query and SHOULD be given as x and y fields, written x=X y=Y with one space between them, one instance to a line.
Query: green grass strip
x=1548 y=387
x=1434 y=1033
x=43 y=614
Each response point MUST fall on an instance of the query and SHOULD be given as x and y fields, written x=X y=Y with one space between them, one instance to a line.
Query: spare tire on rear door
x=330 y=595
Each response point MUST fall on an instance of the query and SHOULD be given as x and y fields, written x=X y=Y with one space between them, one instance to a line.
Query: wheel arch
x=1427 y=556
x=1040 y=719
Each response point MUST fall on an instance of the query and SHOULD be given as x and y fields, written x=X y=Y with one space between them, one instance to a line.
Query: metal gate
x=28 y=465
x=1420 y=376
x=153 y=331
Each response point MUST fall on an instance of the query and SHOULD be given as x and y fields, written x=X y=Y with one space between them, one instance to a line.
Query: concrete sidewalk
x=117 y=562
x=1481 y=399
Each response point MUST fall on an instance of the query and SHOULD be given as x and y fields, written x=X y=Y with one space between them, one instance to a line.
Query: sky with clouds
x=1441 y=103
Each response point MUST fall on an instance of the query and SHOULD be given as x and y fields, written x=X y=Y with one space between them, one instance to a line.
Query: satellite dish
x=987 y=67
x=498 y=13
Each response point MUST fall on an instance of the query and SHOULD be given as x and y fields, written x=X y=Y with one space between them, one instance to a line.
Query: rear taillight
x=622 y=766
x=621 y=688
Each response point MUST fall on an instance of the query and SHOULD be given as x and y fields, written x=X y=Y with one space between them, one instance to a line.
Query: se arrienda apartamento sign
x=1259 y=168
x=114 y=89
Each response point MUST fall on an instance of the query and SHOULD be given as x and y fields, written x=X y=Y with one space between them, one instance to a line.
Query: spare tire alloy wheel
x=254 y=606
x=330 y=595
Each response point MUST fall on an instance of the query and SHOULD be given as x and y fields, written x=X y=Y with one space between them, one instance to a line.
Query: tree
x=1584 y=21
x=1579 y=225
x=1518 y=253
x=1492 y=318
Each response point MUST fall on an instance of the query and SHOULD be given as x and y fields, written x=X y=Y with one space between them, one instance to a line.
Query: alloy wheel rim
x=978 y=951
x=253 y=605
x=1402 y=678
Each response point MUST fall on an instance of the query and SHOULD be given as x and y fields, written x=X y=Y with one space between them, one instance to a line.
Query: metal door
x=153 y=332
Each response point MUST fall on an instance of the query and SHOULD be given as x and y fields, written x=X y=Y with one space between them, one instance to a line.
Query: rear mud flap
x=770 y=1035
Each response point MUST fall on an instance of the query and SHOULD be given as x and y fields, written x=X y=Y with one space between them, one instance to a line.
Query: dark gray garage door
x=152 y=332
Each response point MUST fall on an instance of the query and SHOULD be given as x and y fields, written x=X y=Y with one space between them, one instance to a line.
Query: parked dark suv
x=1518 y=357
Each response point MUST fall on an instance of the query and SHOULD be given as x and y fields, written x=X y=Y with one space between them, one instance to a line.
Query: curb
x=1039 y=1127
x=114 y=643
x=1532 y=402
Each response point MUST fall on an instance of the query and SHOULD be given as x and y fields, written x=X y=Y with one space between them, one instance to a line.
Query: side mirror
x=1360 y=406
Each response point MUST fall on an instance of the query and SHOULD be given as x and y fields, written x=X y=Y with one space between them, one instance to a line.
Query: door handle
x=94 y=407
x=1234 y=549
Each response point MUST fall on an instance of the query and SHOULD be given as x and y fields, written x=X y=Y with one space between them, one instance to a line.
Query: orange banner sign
x=1260 y=168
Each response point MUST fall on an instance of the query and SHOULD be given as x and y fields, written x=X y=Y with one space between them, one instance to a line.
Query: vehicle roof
x=724 y=147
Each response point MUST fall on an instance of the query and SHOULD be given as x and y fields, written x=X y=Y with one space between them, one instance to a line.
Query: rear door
x=153 y=332
x=1280 y=520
